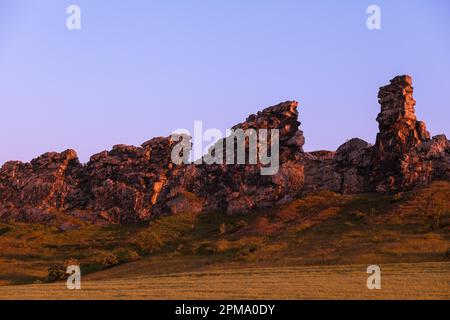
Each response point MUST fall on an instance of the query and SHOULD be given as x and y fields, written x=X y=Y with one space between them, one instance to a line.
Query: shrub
x=206 y=249
x=246 y=251
x=4 y=230
x=110 y=260
x=241 y=224
x=133 y=255
x=397 y=197
x=57 y=272
x=71 y=262
x=426 y=228
x=149 y=242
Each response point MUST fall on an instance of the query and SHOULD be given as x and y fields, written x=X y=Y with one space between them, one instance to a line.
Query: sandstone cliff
x=130 y=184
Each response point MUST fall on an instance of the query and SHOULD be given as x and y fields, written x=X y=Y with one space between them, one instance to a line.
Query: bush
x=133 y=255
x=110 y=260
x=426 y=228
x=57 y=272
x=206 y=249
x=246 y=251
x=71 y=262
x=4 y=230
x=149 y=242
x=397 y=197
x=234 y=227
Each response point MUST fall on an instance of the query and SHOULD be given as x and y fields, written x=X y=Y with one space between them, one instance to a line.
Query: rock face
x=124 y=184
x=396 y=162
x=130 y=184
x=29 y=191
x=242 y=187
x=403 y=157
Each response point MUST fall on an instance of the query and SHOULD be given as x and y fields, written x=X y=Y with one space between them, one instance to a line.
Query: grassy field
x=398 y=281
x=321 y=231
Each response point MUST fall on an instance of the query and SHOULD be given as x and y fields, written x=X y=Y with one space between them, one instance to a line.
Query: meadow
x=399 y=281
x=290 y=251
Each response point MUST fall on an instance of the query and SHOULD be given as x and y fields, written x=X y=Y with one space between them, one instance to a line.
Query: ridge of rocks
x=130 y=184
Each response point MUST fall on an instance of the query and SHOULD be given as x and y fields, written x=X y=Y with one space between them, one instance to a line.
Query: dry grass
x=322 y=230
x=399 y=281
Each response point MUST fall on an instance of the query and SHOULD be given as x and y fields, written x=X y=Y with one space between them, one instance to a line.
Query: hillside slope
x=324 y=228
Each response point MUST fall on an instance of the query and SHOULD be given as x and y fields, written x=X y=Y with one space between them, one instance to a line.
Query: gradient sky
x=140 y=69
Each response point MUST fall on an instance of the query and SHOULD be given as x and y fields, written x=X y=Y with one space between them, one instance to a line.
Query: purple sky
x=139 y=69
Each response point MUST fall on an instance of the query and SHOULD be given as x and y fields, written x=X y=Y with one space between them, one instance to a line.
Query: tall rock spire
x=399 y=129
x=400 y=134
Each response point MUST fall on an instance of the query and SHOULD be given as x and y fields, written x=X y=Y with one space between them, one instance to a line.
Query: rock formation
x=242 y=187
x=130 y=184
x=32 y=191
x=396 y=162
x=403 y=157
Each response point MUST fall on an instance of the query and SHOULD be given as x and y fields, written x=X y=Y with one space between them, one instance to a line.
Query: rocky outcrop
x=396 y=162
x=345 y=170
x=436 y=152
x=242 y=187
x=130 y=184
x=402 y=158
x=29 y=191
x=353 y=164
x=124 y=185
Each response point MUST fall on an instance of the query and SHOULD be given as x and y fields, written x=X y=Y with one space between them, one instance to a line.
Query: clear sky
x=143 y=68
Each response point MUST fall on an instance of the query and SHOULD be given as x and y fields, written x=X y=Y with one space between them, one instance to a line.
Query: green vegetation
x=110 y=260
x=324 y=228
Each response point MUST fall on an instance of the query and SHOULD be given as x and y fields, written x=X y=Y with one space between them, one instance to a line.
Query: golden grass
x=398 y=281
x=324 y=228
